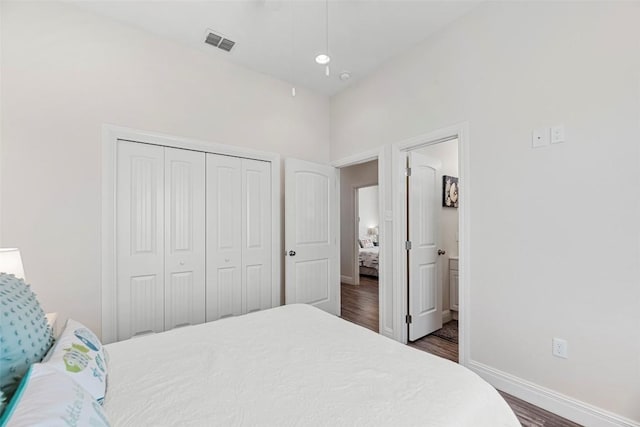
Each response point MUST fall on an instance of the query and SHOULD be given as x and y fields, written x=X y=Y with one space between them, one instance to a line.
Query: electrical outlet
x=560 y=348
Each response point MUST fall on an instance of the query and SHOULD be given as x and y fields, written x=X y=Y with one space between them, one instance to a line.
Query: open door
x=312 y=271
x=425 y=300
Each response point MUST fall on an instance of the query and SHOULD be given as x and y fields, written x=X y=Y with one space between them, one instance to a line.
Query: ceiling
x=281 y=38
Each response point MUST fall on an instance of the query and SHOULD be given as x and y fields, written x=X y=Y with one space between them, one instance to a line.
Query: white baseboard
x=550 y=400
x=346 y=279
x=446 y=316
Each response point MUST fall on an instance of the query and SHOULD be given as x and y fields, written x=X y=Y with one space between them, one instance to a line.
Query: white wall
x=447 y=153
x=66 y=72
x=1 y=120
x=554 y=232
x=352 y=177
x=368 y=209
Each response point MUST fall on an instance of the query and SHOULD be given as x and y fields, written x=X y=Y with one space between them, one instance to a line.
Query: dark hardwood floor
x=360 y=305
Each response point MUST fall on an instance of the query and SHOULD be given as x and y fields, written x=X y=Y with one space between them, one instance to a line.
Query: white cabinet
x=238 y=236
x=160 y=231
x=453 y=283
x=193 y=237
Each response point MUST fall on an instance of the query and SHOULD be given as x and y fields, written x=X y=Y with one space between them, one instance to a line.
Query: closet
x=193 y=237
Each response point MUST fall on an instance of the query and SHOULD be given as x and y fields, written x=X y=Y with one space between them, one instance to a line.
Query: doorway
x=362 y=303
x=359 y=244
x=393 y=274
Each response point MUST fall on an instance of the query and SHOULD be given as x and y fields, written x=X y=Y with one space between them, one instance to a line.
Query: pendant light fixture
x=324 y=58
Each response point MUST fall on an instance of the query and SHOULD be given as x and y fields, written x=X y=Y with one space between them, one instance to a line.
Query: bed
x=368 y=260
x=291 y=366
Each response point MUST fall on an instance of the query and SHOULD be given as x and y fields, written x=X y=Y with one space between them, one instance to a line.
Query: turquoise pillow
x=25 y=335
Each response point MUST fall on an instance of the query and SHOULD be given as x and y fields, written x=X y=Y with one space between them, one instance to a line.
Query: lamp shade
x=11 y=262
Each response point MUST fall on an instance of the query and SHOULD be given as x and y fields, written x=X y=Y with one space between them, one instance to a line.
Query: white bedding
x=291 y=366
x=368 y=257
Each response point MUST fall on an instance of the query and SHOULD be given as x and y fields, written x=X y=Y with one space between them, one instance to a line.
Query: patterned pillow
x=79 y=354
x=25 y=335
x=47 y=397
x=366 y=243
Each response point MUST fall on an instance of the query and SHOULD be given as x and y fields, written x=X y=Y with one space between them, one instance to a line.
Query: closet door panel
x=224 y=237
x=256 y=235
x=184 y=177
x=139 y=239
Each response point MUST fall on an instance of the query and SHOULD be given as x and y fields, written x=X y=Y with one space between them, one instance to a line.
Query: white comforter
x=291 y=366
x=369 y=257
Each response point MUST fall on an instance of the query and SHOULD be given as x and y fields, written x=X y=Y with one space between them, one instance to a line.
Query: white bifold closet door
x=160 y=198
x=239 y=254
x=184 y=263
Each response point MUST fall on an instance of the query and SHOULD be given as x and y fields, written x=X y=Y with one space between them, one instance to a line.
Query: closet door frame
x=110 y=136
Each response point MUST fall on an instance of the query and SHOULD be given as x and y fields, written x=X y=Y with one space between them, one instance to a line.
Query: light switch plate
x=540 y=137
x=560 y=348
x=557 y=134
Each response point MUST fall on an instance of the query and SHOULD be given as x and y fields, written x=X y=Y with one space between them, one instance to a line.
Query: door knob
x=292 y=253
x=441 y=252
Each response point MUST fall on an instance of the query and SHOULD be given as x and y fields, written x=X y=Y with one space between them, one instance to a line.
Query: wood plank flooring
x=360 y=306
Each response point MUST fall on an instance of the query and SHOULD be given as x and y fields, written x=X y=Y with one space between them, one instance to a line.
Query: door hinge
x=407 y=172
x=407 y=245
x=408 y=318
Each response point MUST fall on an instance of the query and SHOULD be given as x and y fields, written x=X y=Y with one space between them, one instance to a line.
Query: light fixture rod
x=327 y=35
x=327 y=24
x=293 y=87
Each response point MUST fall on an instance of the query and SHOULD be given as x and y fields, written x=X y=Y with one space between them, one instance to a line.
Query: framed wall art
x=449 y=191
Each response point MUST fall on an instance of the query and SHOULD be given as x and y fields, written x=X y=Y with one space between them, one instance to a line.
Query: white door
x=139 y=239
x=224 y=236
x=312 y=233
x=184 y=237
x=425 y=300
x=256 y=236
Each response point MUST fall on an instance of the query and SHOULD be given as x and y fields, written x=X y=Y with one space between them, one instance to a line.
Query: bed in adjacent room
x=368 y=260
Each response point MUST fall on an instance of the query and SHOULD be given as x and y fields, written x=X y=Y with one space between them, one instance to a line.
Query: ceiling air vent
x=219 y=41
x=226 y=44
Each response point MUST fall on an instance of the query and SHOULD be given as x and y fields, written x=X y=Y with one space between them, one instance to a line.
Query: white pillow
x=47 y=397
x=79 y=354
